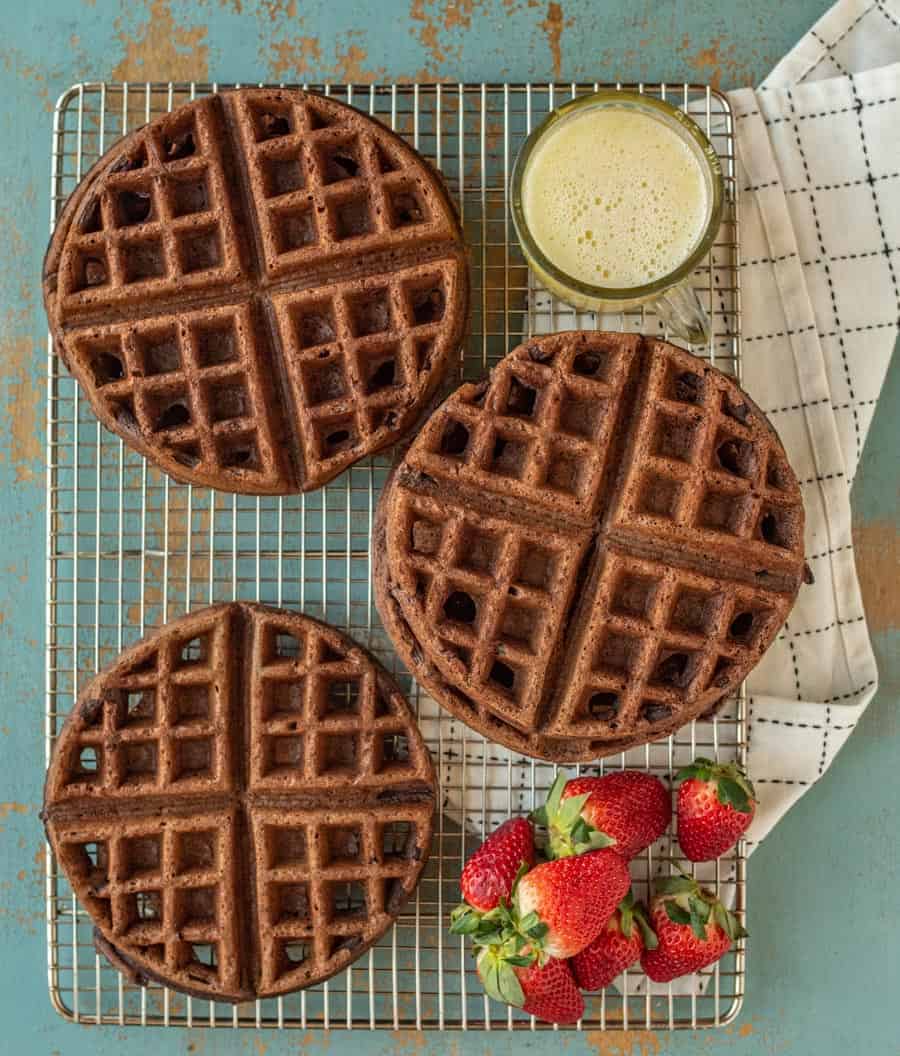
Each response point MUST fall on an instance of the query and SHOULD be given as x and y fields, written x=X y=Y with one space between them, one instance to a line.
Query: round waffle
x=590 y=548
x=242 y=802
x=258 y=289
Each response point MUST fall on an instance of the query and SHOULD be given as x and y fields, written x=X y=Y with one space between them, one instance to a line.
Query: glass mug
x=671 y=295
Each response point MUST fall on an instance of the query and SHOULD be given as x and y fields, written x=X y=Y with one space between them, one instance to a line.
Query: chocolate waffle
x=242 y=802
x=258 y=289
x=590 y=548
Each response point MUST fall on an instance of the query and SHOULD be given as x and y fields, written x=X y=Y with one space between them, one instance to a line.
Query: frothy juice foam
x=615 y=198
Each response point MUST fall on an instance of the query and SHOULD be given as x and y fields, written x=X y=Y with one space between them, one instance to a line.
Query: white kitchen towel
x=819 y=185
x=819 y=172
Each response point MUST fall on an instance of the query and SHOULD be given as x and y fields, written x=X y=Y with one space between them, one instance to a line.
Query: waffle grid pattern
x=388 y=332
x=319 y=721
x=347 y=214
x=161 y=223
x=322 y=888
x=196 y=385
x=326 y=188
x=646 y=639
x=657 y=636
x=166 y=879
x=164 y=893
x=541 y=433
x=159 y=726
x=707 y=473
x=490 y=591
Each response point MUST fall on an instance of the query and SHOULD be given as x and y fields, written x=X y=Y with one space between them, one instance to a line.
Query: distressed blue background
x=824 y=910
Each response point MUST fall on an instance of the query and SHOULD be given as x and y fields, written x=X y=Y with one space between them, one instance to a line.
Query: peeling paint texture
x=162 y=49
x=821 y=979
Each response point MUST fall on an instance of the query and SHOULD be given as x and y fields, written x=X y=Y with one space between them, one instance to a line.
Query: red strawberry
x=616 y=948
x=716 y=804
x=693 y=929
x=490 y=873
x=546 y=990
x=627 y=809
x=570 y=900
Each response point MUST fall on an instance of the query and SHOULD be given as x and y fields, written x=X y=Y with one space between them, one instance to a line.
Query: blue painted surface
x=824 y=914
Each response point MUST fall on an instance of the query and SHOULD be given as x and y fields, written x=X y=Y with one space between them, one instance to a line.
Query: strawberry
x=573 y=898
x=490 y=873
x=553 y=912
x=693 y=929
x=556 y=909
x=716 y=804
x=546 y=990
x=616 y=948
x=627 y=810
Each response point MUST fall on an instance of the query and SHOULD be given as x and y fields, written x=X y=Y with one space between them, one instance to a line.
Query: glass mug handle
x=682 y=314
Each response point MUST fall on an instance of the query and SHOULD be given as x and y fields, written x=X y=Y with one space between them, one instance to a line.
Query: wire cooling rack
x=128 y=548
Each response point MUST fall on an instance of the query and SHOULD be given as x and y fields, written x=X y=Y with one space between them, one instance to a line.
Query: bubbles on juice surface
x=615 y=198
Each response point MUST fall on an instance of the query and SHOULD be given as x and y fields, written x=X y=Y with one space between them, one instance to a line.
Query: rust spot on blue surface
x=161 y=48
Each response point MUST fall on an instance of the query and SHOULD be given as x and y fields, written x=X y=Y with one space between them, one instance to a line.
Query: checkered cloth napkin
x=819 y=182
x=819 y=149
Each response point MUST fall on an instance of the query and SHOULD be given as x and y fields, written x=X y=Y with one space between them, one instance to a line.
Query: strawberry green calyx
x=687 y=903
x=502 y=929
x=501 y=925
x=568 y=833
x=496 y=971
x=503 y=942
x=632 y=913
x=481 y=924
x=733 y=787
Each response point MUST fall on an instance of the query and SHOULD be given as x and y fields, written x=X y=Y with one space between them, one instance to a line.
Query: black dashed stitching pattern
x=820 y=479
x=798 y=406
x=821 y=400
x=823 y=757
x=780 y=333
x=871 y=181
x=754 y=187
x=804 y=725
x=768 y=260
x=887 y=13
x=793 y=653
x=851 y=256
x=858 y=329
x=831 y=290
x=820 y=113
x=778 y=781
x=818 y=630
x=821 y=186
x=849 y=696
x=829 y=51
x=820 y=260
x=829 y=553
x=845 y=183
x=829 y=48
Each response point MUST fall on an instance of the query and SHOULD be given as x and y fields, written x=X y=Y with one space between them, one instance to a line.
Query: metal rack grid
x=128 y=548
